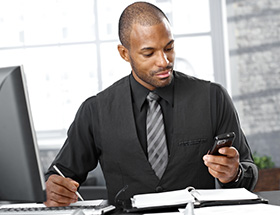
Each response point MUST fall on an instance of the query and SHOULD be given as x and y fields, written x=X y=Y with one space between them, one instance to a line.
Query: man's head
x=147 y=44
x=142 y=13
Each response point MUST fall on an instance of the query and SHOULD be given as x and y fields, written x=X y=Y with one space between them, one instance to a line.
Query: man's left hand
x=225 y=168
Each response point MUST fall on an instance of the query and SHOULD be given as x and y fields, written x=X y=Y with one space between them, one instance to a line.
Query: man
x=111 y=126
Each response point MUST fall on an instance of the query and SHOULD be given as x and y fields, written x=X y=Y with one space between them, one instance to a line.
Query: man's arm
x=239 y=162
x=77 y=157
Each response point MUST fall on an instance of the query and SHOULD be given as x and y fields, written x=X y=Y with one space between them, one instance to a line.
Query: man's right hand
x=60 y=191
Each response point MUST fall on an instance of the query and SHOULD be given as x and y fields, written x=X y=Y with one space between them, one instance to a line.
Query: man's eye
x=148 y=55
x=169 y=49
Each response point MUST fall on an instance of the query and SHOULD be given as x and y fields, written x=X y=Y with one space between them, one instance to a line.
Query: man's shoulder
x=116 y=87
x=185 y=77
x=188 y=79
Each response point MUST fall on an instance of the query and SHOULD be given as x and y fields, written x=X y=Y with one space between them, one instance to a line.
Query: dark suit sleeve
x=225 y=119
x=79 y=154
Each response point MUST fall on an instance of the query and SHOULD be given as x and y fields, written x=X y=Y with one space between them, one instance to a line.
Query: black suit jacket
x=104 y=129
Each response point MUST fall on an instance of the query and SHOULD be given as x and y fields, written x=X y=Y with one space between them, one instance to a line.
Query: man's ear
x=124 y=53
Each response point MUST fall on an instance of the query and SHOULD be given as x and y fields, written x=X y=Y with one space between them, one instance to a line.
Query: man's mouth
x=164 y=74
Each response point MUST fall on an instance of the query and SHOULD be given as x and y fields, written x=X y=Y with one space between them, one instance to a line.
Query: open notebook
x=200 y=198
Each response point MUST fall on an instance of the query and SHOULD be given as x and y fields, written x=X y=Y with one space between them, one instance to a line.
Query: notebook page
x=162 y=199
x=223 y=194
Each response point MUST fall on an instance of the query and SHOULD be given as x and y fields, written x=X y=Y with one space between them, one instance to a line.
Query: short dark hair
x=142 y=13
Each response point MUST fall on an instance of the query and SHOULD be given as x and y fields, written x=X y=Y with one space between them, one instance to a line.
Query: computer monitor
x=21 y=175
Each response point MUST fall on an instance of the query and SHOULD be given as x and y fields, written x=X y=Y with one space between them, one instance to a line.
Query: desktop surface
x=272 y=196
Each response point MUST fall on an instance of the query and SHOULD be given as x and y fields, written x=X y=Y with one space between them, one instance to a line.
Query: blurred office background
x=68 y=49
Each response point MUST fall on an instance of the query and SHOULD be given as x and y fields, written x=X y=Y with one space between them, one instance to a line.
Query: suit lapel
x=134 y=145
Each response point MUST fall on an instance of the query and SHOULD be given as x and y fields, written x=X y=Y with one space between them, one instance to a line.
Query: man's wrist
x=238 y=174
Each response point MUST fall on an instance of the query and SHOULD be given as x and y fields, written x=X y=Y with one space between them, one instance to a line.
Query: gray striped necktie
x=156 y=140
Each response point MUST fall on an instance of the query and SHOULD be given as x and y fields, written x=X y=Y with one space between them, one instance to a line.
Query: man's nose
x=162 y=60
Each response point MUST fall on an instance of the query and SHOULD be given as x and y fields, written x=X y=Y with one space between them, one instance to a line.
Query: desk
x=272 y=196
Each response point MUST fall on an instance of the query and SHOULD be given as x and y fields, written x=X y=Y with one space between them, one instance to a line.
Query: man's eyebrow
x=147 y=48
x=170 y=42
x=151 y=48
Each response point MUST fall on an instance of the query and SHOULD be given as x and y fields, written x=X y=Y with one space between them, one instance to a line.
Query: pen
x=60 y=173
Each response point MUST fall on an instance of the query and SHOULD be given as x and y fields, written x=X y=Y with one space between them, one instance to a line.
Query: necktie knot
x=152 y=97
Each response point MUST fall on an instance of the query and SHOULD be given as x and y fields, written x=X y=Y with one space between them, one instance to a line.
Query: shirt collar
x=139 y=92
x=166 y=93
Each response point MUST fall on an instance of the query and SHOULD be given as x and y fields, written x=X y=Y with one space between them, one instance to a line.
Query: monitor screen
x=21 y=178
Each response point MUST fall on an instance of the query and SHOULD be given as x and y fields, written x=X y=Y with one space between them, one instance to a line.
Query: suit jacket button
x=159 y=189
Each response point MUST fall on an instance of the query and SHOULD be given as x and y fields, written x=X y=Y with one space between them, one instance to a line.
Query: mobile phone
x=222 y=140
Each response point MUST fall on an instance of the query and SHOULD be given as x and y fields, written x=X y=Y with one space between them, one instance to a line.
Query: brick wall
x=254 y=43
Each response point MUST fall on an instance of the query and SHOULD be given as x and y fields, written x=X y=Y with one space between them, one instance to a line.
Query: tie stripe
x=156 y=139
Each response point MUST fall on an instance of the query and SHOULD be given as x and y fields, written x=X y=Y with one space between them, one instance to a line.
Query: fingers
x=224 y=174
x=228 y=151
x=67 y=183
x=224 y=168
x=60 y=191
